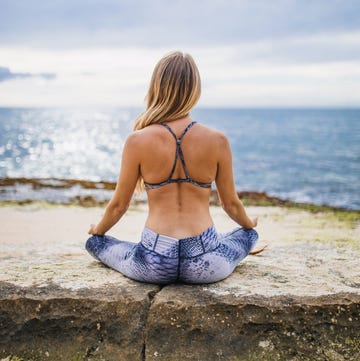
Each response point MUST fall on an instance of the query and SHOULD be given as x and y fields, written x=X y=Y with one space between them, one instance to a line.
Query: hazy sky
x=250 y=53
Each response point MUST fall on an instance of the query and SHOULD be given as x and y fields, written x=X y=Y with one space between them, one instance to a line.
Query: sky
x=250 y=53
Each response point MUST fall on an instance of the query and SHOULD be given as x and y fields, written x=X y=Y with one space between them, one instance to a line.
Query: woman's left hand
x=92 y=229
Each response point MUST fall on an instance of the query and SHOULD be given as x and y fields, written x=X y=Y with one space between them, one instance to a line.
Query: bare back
x=179 y=209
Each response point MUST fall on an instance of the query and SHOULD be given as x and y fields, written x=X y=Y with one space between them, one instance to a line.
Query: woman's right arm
x=129 y=174
x=225 y=185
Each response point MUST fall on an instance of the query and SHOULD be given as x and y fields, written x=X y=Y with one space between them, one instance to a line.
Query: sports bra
x=179 y=153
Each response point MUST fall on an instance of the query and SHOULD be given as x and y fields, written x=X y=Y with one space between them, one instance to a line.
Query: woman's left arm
x=129 y=174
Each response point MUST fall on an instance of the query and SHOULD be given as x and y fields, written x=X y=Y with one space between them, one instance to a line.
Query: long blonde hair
x=174 y=89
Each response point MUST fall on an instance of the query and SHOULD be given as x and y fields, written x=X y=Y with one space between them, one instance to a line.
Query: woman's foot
x=256 y=251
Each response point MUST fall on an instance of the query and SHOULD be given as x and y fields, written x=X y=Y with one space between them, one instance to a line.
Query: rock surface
x=299 y=300
x=42 y=323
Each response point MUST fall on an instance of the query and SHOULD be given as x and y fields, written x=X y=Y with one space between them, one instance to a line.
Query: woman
x=176 y=160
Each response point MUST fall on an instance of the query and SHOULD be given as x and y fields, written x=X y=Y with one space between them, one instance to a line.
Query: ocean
x=304 y=155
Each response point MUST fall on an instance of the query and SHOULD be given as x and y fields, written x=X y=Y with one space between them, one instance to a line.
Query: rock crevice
x=151 y=296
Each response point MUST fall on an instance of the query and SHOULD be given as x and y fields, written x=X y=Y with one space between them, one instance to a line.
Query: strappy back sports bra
x=179 y=153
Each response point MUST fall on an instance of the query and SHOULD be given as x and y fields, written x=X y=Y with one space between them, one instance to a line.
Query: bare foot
x=259 y=250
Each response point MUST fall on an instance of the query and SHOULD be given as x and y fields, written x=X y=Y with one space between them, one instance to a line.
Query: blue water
x=307 y=155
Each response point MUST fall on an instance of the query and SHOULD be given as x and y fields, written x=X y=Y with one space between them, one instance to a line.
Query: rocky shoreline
x=97 y=193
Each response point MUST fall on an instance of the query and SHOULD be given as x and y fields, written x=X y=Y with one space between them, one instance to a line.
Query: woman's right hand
x=92 y=230
x=252 y=223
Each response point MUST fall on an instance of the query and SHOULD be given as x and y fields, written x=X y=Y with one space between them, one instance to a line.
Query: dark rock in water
x=38 y=183
x=94 y=193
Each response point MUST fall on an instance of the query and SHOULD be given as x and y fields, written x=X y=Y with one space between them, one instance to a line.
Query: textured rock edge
x=51 y=323
x=177 y=322
x=207 y=326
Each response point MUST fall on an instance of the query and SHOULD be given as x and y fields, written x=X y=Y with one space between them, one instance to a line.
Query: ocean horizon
x=309 y=155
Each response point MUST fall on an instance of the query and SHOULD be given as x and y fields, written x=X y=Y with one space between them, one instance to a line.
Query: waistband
x=180 y=248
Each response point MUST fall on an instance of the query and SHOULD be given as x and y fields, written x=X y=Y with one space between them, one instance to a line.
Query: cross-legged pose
x=176 y=160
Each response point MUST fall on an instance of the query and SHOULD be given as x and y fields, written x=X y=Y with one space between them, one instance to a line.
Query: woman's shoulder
x=211 y=131
x=154 y=131
x=212 y=134
x=142 y=133
x=143 y=137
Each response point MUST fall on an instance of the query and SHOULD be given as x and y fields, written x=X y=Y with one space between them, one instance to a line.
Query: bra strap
x=179 y=151
x=182 y=134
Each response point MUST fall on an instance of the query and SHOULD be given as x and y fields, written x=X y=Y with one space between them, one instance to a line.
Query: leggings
x=206 y=258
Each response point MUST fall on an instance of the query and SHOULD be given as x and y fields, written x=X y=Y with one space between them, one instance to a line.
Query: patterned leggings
x=206 y=258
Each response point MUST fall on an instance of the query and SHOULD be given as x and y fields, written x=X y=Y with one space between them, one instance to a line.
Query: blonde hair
x=174 y=89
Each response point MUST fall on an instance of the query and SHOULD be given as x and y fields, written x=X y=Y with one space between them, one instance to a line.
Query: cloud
x=249 y=52
x=162 y=23
x=120 y=77
x=6 y=74
x=305 y=49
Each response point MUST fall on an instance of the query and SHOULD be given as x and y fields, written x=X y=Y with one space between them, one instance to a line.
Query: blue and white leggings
x=206 y=258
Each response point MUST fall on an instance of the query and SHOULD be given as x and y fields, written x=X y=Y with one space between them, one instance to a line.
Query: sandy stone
x=298 y=300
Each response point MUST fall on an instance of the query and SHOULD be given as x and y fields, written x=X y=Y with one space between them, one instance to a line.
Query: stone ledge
x=178 y=322
x=299 y=300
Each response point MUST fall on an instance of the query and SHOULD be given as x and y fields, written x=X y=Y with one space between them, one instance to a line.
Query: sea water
x=306 y=155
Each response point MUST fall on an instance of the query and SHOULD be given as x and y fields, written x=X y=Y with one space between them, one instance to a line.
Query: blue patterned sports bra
x=179 y=153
